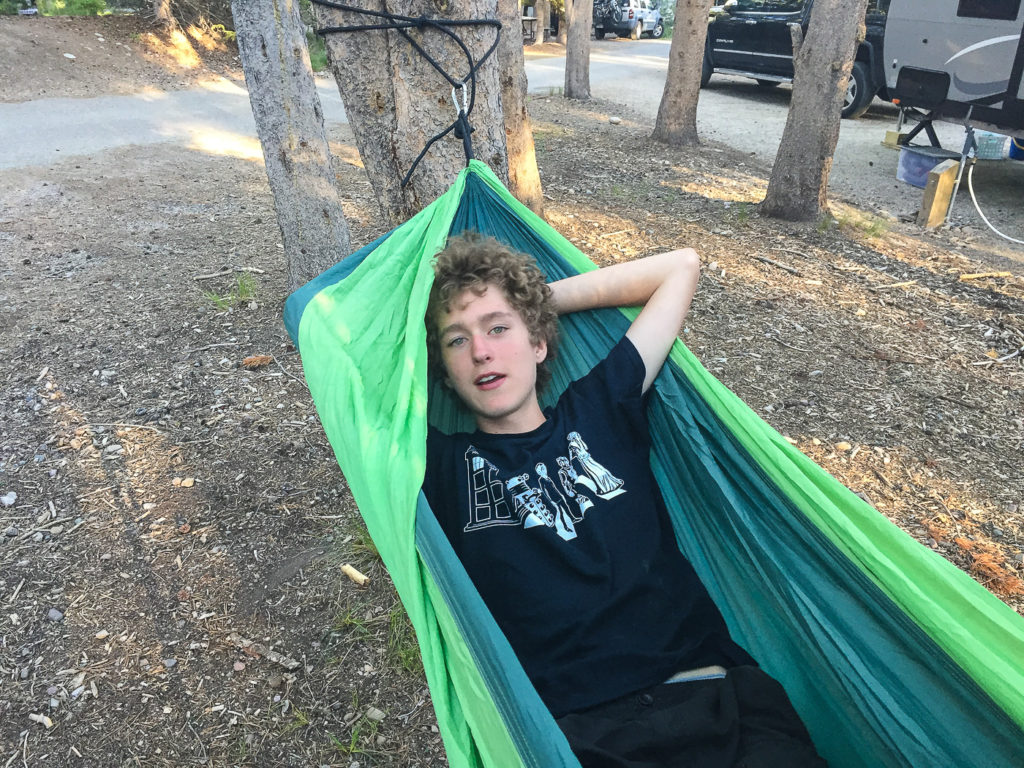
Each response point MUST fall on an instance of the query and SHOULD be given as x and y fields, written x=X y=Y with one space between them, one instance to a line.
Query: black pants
x=744 y=720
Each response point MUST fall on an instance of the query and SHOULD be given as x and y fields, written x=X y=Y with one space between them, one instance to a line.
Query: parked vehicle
x=628 y=18
x=751 y=38
x=964 y=57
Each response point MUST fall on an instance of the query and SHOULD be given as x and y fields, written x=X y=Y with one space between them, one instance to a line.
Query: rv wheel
x=858 y=92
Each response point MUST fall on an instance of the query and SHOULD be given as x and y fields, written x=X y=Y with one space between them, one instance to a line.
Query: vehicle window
x=878 y=6
x=786 y=6
x=1006 y=10
x=752 y=5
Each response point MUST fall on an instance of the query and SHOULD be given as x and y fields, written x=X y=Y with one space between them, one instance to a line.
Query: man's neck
x=516 y=423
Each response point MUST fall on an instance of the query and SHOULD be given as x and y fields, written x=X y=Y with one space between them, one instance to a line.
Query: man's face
x=490 y=361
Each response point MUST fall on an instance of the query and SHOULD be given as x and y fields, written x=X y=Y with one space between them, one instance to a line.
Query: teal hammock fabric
x=892 y=656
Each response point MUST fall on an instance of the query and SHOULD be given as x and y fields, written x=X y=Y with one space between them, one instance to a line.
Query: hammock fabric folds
x=892 y=656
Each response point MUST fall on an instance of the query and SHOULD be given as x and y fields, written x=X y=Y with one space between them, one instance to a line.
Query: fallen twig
x=359 y=578
x=904 y=284
x=982 y=275
x=779 y=264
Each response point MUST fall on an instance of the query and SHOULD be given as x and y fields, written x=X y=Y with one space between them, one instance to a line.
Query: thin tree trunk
x=396 y=101
x=798 y=187
x=677 y=114
x=579 y=15
x=543 y=10
x=523 y=176
x=563 y=27
x=289 y=122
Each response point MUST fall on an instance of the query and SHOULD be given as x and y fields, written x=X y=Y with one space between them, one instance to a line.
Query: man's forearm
x=628 y=284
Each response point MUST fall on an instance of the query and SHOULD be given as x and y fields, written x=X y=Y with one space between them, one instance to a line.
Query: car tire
x=767 y=83
x=658 y=31
x=636 y=32
x=705 y=70
x=599 y=33
x=858 y=92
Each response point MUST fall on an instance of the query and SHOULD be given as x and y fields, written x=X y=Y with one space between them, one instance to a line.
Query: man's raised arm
x=663 y=285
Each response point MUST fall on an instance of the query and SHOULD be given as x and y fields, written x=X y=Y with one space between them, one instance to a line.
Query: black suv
x=751 y=38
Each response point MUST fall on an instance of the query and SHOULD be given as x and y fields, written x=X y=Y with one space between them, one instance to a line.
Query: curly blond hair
x=472 y=262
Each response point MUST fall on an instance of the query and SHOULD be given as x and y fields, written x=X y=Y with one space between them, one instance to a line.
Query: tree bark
x=677 y=115
x=523 y=176
x=396 y=101
x=797 y=190
x=289 y=122
x=543 y=10
x=563 y=27
x=579 y=16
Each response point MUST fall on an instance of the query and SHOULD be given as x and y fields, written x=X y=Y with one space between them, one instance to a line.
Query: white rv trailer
x=961 y=60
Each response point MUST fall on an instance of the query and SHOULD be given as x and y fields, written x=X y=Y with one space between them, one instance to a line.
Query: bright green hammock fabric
x=892 y=656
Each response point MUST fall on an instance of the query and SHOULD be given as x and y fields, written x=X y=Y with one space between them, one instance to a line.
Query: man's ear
x=541 y=351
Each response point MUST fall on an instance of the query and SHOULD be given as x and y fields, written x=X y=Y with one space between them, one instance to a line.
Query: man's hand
x=663 y=285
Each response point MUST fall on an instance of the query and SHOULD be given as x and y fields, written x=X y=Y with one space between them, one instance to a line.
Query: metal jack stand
x=969 y=151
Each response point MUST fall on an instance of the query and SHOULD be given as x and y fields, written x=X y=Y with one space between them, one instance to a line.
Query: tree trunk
x=523 y=176
x=396 y=101
x=798 y=187
x=579 y=15
x=543 y=10
x=289 y=122
x=677 y=114
x=162 y=12
x=563 y=27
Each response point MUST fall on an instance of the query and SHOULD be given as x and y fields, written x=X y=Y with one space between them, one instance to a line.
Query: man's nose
x=481 y=348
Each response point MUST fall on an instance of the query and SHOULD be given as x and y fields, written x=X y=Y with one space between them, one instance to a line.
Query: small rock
x=37 y=536
x=275 y=681
x=614 y=120
x=843 y=446
x=188 y=482
x=54 y=615
x=168 y=663
x=102 y=634
x=54 y=703
x=70 y=56
x=106 y=556
x=239 y=666
x=11 y=531
x=433 y=729
x=372 y=713
x=8 y=499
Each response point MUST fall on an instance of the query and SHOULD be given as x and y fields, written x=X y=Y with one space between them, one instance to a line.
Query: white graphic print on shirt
x=496 y=498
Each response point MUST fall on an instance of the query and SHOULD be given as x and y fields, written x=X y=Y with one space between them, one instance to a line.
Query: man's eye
x=499 y=329
x=457 y=341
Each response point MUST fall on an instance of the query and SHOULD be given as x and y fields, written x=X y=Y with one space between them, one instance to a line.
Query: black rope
x=401 y=24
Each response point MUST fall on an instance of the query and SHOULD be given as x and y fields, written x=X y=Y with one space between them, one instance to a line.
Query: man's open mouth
x=489 y=380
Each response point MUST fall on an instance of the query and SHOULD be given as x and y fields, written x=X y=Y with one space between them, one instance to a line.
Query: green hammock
x=892 y=656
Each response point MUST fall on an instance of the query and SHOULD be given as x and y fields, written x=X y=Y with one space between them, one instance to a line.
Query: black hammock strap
x=402 y=24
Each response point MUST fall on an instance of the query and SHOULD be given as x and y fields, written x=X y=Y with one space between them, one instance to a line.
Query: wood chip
x=257 y=361
x=41 y=719
x=256 y=649
x=359 y=578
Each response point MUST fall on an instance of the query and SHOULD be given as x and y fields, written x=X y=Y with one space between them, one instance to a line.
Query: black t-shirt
x=565 y=535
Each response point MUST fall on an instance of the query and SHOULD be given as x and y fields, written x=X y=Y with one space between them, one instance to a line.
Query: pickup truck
x=751 y=38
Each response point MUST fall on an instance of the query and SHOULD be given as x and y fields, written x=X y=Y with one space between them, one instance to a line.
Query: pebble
x=54 y=615
x=37 y=537
x=275 y=681
x=54 y=703
x=170 y=662
x=8 y=499
x=614 y=120
x=239 y=666
x=11 y=531
x=372 y=713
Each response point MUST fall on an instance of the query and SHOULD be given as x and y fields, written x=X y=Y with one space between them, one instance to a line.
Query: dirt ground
x=173 y=522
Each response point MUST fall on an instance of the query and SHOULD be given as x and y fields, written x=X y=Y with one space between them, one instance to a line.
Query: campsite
x=174 y=523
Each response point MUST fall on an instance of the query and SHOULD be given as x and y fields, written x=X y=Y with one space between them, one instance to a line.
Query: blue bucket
x=1016 y=149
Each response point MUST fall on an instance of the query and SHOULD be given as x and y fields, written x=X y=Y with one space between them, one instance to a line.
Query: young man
x=557 y=518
